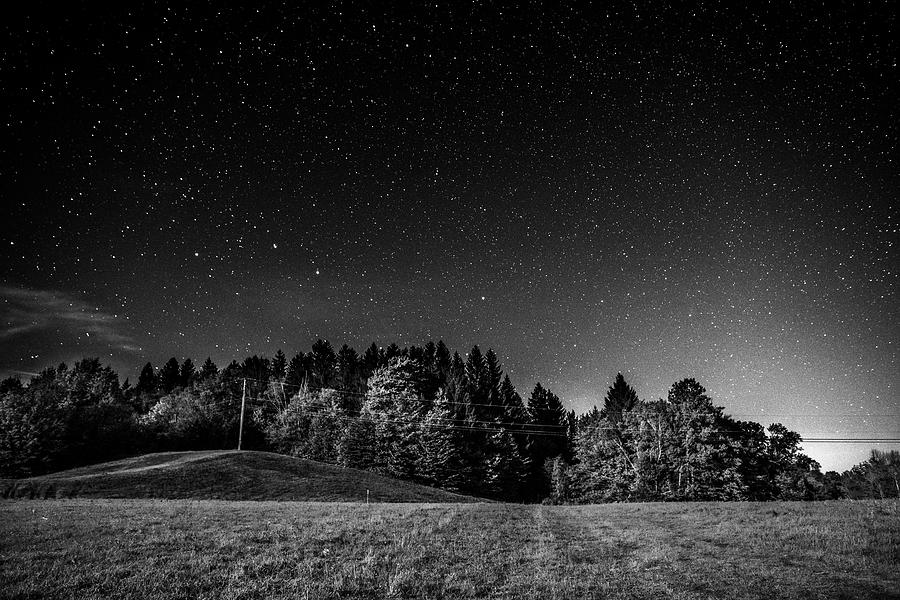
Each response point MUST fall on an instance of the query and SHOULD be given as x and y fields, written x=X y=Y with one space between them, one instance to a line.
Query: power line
x=364 y=394
x=454 y=424
x=493 y=426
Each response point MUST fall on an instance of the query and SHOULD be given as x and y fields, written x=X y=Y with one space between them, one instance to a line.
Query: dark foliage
x=426 y=415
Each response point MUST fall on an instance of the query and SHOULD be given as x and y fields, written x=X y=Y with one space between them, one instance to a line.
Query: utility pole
x=243 y=401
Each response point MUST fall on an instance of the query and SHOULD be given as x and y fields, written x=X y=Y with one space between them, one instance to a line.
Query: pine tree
x=392 y=351
x=356 y=444
x=514 y=414
x=442 y=361
x=371 y=360
x=208 y=370
x=439 y=460
x=324 y=365
x=548 y=440
x=148 y=382
x=296 y=372
x=620 y=397
x=547 y=414
x=279 y=365
x=349 y=377
x=429 y=356
x=456 y=383
x=187 y=373
x=507 y=471
x=258 y=369
x=168 y=375
x=477 y=383
x=494 y=376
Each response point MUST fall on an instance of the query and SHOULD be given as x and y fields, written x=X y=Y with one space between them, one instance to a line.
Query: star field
x=666 y=191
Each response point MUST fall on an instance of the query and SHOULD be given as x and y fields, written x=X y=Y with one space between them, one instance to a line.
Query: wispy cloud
x=25 y=310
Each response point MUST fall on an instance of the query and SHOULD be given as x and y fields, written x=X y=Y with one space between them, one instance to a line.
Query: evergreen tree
x=494 y=375
x=547 y=415
x=514 y=414
x=442 y=361
x=296 y=373
x=349 y=376
x=392 y=351
x=428 y=357
x=324 y=365
x=231 y=372
x=547 y=438
x=456 y=384
x=258 y=369
x=371 y=360
x=148 y=382
x=416 y=353
x=477 y=384
x=169 y=375
x=209 y=370
x=356 y=444
x=14 y=384
x=187 y=373
x=620 y=397
x=439 y=458
x=279 y=365
x=507 y=470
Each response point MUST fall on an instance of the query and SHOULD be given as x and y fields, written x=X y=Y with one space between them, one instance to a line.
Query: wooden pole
x=243 y=401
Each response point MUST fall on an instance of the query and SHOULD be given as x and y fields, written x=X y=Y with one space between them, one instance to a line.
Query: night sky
x=666 y=191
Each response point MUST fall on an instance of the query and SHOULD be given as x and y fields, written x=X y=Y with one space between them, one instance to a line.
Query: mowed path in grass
x=210 y=549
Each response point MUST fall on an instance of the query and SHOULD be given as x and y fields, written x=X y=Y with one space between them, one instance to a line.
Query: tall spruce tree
x=507 y=471
x=187 y=373
x=324 y=365
x=168 y=375
x=371 y=360
x=349 y=376
x=620 y=397
x=440 y=461
x=547 y=437
x=279 y=365
x=477 y=385
x=494 y=378
x=208 y=370
x=442 y=361
x=296 y=373
x=429 y=356
x=148 y=382
x=514 y=414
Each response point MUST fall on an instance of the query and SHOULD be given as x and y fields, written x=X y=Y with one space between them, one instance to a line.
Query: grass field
x=222 y=475
x=209 y=549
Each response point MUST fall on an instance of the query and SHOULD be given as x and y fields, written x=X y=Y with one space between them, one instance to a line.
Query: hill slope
x=223 y=475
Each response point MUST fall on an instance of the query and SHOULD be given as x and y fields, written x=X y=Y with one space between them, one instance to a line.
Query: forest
x=427 y=415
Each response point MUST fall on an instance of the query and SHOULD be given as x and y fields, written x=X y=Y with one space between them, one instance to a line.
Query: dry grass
x=211 y=549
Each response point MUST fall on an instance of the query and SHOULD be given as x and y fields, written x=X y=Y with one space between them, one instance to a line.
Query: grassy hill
x=223 y=475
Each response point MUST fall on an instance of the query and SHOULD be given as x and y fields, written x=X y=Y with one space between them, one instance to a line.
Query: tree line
x=427 y=415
